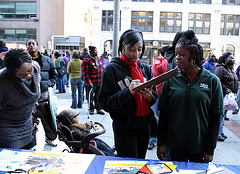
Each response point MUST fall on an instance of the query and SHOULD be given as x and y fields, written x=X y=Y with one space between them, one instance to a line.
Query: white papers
x=10 y=160
x=44 y=162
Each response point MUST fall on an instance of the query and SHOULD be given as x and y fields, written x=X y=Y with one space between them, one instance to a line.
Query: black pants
x=131 y=143
x=186 y=157
x=93 y=96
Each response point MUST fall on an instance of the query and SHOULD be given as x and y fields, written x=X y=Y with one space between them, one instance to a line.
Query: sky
x=74 y=17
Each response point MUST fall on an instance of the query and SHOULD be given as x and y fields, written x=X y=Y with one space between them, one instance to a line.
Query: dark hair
x=224 y=57
x=75 y=54
x=31 y=39
x=164 y=49
x=2 y=43
x=57 y=54
x=15 y=58
x=91 y=48
x=190 y=42
x=131 y=37
x=177 y=37
x=85 y=50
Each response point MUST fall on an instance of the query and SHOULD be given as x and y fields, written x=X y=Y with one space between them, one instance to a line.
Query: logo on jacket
x=123 y=84
x=202 y=85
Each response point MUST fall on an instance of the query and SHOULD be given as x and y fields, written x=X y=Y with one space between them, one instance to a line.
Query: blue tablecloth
x=97 y=165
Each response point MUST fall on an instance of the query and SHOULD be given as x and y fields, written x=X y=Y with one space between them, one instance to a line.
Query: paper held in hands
x=161 y=78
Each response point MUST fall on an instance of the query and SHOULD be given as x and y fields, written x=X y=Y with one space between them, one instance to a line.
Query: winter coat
x=48 y=72
x=228 y=78
x=116 y=98
x=171 y=58
x=16 y=105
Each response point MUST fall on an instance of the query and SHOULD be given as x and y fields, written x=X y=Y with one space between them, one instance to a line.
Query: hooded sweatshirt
x=116 y=98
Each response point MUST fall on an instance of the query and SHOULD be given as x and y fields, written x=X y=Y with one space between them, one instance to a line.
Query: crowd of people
x=183 y=116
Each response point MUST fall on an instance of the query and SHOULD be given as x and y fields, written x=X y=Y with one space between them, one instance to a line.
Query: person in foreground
x=191 y=105
x=130 y=111
x=19 y=92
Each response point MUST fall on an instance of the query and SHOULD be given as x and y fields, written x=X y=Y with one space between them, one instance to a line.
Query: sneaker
x=58 y=92
x=150 y=146
x=226 y=118
x=73 y=107
x=50 y=142
x=220 y=138
x=224 y=136
x=91 y=112
x=235 y=112
x=100 y=112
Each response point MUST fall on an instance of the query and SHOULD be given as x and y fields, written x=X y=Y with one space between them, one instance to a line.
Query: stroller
x=89 y=144
x=86 y=145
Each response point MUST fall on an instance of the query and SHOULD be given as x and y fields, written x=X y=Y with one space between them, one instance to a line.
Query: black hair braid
x=190 y=41
x=15 y=58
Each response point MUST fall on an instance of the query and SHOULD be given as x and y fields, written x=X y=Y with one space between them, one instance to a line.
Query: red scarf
x=141 y=102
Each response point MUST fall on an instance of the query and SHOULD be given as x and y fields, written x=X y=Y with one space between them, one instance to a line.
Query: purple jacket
x=237 y=72
x=67 y=60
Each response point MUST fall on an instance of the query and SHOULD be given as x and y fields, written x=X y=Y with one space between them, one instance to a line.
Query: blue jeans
x=77 y=84
x=61 y=86
x=221 y=123
x=238 y=97
x=66 y=79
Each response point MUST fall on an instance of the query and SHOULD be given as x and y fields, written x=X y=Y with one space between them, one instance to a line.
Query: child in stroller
x=78 y=130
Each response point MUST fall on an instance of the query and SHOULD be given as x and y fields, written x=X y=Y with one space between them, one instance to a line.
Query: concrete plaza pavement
x=227 y=152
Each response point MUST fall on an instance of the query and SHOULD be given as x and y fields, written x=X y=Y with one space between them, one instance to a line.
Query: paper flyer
x=126 y=166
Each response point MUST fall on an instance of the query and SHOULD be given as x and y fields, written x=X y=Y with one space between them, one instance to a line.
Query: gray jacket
x=48 y=72
x=16 y=104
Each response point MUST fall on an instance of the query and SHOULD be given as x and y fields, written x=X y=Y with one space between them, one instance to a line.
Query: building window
x=142 y=21
x=206 y=49
x=199 y=23
x=170 y=22
x=17 y=34
x=230 y=24
x=200 y=1
x=231 y=2
x=18 y=10
x=143 y=0
x=107 y=20
x=172 y=1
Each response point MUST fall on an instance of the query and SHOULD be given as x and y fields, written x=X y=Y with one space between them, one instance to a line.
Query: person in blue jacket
x=210 y=63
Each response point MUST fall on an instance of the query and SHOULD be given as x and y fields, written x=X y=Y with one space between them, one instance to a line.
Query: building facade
x=215 y=22
x=24 y=19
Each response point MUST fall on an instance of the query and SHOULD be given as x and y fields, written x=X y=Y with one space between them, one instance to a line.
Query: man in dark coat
x=48 y=79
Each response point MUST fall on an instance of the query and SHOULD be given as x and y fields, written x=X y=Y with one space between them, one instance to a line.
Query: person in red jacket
x=159 y=66
x=92 y=70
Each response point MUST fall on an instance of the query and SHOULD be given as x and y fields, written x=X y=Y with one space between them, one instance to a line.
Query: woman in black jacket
x=130 y=111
